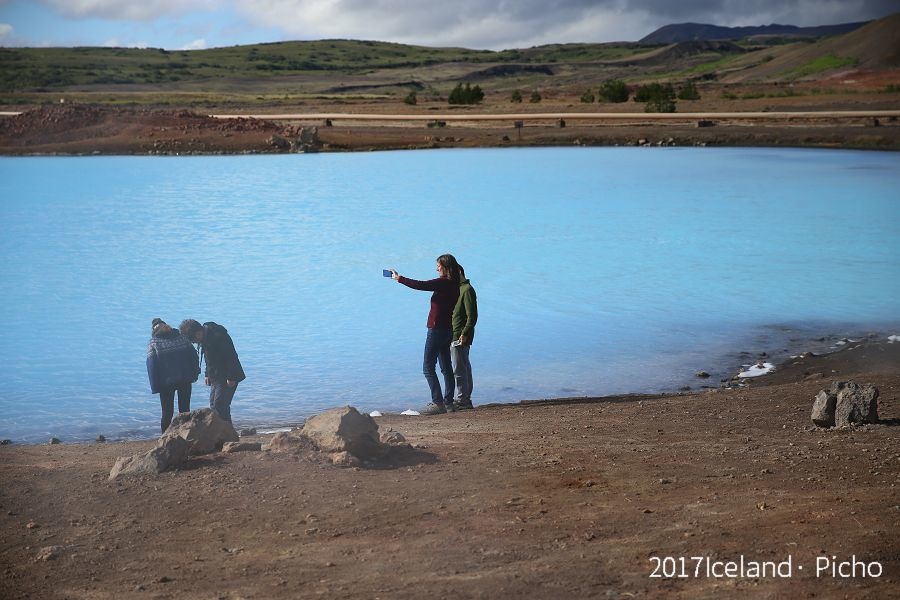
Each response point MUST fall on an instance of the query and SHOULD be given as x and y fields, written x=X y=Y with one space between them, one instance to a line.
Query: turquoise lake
x=598 y=271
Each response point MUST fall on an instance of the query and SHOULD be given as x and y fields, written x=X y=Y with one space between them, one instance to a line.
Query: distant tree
x=516 y=97
x=614 y=90
x=659 y=98
x=535 y=97
x=587 y=97
x=466 y=95
x=411 y=99
x=689 y=92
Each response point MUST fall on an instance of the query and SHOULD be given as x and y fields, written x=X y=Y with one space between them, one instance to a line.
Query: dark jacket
x=171 y=360
x=222 y=361
x=446 y=291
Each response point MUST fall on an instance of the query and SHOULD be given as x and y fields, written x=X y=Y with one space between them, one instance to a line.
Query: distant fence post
x=519 y=125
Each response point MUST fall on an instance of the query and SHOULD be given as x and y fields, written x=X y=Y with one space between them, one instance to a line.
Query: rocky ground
x=97 y=129
x=556 y=499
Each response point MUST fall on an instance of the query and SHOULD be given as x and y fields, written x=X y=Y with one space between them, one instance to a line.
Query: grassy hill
x=346 y=69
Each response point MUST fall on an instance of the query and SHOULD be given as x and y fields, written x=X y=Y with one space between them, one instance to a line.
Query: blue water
x=598 y=271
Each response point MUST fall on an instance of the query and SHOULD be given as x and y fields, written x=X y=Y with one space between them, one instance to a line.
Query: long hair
x=448 y=261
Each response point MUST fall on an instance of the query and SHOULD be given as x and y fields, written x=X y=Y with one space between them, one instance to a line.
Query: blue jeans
x=437 y=348
x=220 y=396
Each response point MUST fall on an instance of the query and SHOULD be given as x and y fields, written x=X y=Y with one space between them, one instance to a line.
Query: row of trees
x=656 y=96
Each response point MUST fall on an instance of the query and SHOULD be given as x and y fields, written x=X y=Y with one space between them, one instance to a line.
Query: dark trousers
x=437 y=349
x=167 y=402
x=220 y=396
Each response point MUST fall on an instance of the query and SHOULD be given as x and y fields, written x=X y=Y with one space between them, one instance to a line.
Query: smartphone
x=386 y=273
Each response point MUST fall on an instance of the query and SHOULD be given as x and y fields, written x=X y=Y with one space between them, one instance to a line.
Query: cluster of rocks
x=846 y=403
x=306 y=139
x=346 y=435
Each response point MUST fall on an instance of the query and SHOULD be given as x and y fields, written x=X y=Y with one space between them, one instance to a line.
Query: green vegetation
x=614 y=90
x=659 y=98
x=821 y=64
x=535 y=97
x=411 y=99
x=466 y=95
x=516 y=97
x=587 y=97
x=689 y=92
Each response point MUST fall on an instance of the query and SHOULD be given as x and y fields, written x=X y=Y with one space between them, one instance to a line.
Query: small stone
x=48 y=553
x=248 y=431
x=665 y=481
x=31 y=525
x=702 y=374
x=100 y=439
x=5 y=442
x=55 y=441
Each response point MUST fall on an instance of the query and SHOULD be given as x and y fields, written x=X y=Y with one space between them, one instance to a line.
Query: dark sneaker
x=433 y=409
x=450 y=406
x=463 y=405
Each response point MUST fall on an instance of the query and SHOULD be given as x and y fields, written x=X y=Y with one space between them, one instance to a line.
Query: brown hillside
x=875 y=46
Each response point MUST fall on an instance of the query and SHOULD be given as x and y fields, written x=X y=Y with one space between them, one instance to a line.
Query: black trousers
x=167 y=401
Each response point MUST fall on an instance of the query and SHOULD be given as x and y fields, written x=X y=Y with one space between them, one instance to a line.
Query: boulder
x=284 y=442
x=856 y=404
x=169 y=453
x=344 y=430
x=203 y=429
x=823 y=406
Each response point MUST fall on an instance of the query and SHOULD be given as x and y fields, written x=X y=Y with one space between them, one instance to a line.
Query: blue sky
x=493 y=24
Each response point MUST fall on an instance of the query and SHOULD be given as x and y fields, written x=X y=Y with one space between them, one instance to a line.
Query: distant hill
x=874 y=46
x=685 y=32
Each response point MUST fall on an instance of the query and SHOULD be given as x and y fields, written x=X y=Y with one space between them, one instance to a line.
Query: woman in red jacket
x=445 y=291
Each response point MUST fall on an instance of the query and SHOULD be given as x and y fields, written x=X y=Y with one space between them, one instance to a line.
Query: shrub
x=516 y=97
x=411 y=99
x=659 y=98
x=689 y=92
x=535 y=97
x=466 y=95
x=614 y=90
x=587 y=97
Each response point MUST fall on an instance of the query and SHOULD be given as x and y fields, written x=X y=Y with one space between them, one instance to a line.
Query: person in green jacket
x=465 y=315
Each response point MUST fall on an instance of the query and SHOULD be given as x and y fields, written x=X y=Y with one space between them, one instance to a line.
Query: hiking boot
x=450 y=406
x=458 y=405
x=433 y=409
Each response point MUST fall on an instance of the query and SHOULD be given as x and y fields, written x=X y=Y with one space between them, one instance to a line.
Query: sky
x=476 y=24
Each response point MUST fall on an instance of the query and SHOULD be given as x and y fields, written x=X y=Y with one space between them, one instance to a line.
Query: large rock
x=169 y=453
x=203 y=429
x=856 y=404
x=344 y=430
x=285 y=442
x=823 y=407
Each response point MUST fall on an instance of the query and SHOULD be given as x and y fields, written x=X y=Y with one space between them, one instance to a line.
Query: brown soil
x=97 y=129
x=565 y=499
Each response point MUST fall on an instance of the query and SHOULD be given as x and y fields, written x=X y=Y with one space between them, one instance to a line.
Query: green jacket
x=465 y=313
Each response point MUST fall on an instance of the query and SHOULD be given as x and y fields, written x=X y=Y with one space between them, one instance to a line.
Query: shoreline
x=820 y=357
x=96 y=130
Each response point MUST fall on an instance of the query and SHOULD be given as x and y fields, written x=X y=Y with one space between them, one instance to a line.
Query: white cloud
x=508 y=24
x=117 y=43
x=5 y=30
x=195 y=45
x=128 y=10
